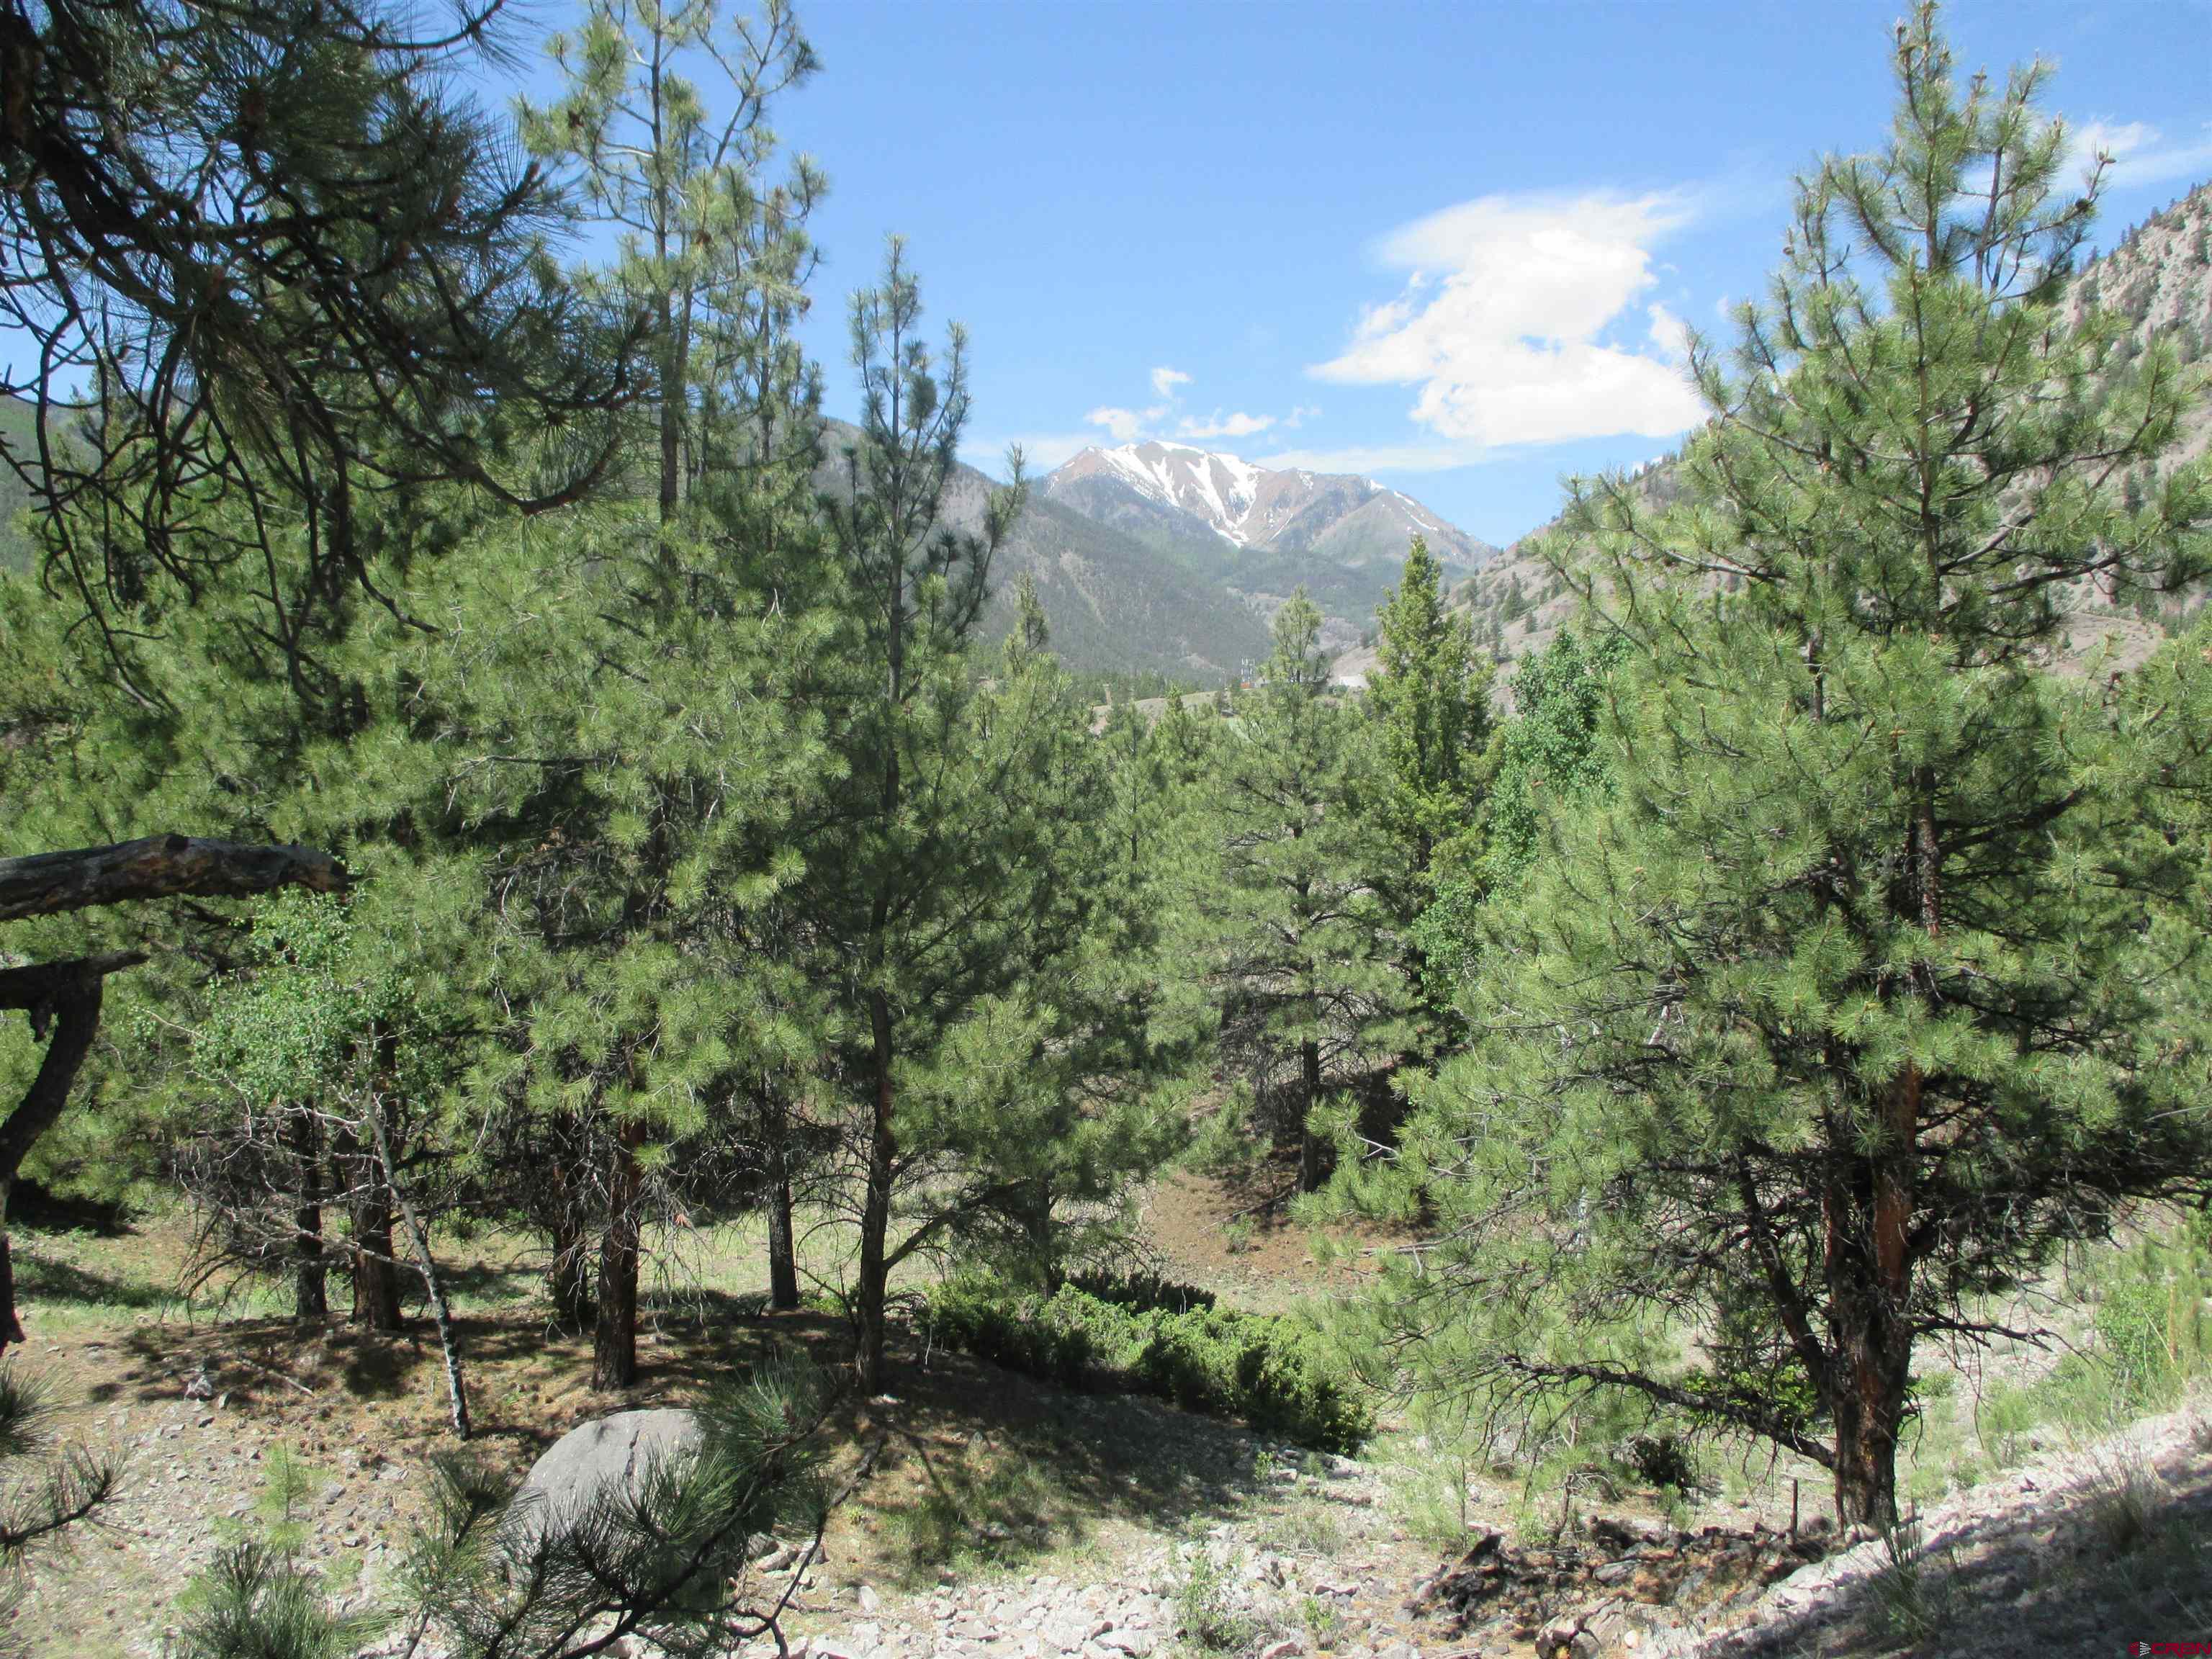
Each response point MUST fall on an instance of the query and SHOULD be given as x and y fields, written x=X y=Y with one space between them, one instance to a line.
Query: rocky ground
x=1004 y=1519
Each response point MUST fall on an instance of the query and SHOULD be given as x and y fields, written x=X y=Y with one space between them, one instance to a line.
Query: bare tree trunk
x=568 y=1276
x=1034 y=1206
x=875 y=1205
x=433 y=1287
x=310 y=1304
x=782 y=1236
x=782 y=1246
x=568 y=1280
x=158 y=866
x=614 y=1336
x=66 y=995
x=12 y=1331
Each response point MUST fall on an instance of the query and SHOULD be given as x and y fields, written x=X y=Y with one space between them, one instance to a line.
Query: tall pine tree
x=1857 y=998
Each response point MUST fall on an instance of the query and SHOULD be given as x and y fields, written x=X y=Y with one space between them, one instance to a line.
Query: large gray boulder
x=612 y=1454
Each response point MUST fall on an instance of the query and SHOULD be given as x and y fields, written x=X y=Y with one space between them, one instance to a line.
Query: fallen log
x=158 y=866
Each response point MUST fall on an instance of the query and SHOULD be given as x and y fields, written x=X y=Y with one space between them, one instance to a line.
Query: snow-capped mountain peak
x=1340 y=520
x=1222 y=490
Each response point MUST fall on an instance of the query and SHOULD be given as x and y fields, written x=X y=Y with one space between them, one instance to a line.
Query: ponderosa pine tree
x=711 y=254
x=629 y=719
x=1857 y=997
x=1294 y=934
x=1429 y=699
x=267 y=256
x=956 y=870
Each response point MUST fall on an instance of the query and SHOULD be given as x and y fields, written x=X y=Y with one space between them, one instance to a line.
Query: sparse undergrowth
x=1270 y=1371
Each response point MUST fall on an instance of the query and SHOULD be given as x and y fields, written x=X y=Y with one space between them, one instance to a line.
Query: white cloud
x=1218 y=425
x=1373 y=458
x=1670 y=335
x=1500 y=320
x=1299 y=415
x=2141 y=154
x=1125 y=425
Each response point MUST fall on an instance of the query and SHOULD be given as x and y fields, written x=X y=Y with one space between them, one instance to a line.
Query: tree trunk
x=69 y=994
x=614 y=1335
x=441 y=1314
x=1869 y=1336
x=568 y=1276
x=158 y=866
x=782 y=1246
x=12 y=1331
x=375 y=1272
x=1312 y=1151
x=568 y=1280
x=876 y=1205
x=1036 y=1215
x=782 y=1236
x=310 y=1304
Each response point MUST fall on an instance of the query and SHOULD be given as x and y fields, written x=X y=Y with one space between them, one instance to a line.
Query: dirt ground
x=994 y=1499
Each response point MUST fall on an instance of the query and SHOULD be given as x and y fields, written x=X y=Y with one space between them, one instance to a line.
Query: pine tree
x=711 y=255
x=1430 y=701
x=1293 y=933
x=954 y=877
x=1859 y=996
x=227 y=305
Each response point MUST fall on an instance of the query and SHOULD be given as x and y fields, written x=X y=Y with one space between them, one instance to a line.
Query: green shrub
x=1142 y=1292
x=1268 y=1370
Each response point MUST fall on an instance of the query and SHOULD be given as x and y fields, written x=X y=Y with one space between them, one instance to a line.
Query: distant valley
x=1160 y=558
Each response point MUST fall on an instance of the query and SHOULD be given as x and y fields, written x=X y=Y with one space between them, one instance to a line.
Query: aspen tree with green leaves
x=1868 y=984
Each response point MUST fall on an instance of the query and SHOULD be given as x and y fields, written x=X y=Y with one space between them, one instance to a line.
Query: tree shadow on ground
x=978 y=1467
x=2119 y=1555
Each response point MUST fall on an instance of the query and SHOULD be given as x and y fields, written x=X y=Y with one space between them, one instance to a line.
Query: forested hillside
x=1116 y=605
x=2158 y=277
x=624 y=1054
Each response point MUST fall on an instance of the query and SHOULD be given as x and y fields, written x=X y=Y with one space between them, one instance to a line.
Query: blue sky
x=1327 y=231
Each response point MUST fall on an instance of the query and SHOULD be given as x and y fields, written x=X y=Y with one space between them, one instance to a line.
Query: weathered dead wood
x=159 y=867
x=65 y=995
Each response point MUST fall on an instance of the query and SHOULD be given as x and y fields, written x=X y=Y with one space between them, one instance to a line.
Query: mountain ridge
x=1263 y=531
x=2158 y=275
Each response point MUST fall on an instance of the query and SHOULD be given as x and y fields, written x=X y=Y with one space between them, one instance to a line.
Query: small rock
x=1282 y=1650
x=869 y=1600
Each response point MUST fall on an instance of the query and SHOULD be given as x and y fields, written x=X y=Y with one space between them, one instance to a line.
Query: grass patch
x=1916 y=1587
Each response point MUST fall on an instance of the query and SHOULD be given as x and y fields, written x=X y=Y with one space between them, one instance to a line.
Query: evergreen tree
x=1430 y=701
x=1857 y=998
x=266 y=258
x=1293 y=934
x=953 y=878
x=713 y=257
